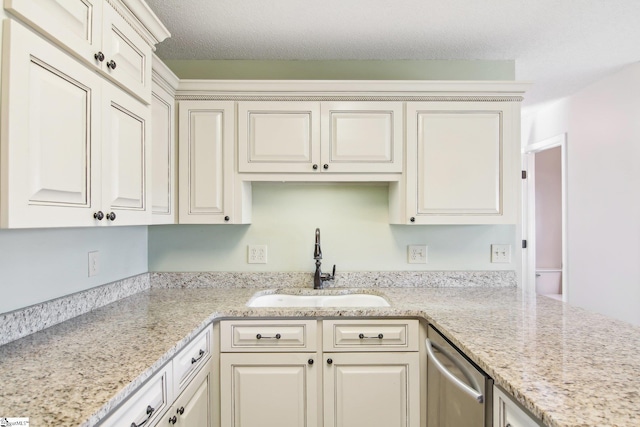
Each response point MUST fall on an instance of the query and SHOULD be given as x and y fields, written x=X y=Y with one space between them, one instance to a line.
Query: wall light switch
x=257 y=254
x=417 y=254
x=500 y=253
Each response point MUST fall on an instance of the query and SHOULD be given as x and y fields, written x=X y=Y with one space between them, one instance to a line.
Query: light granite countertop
x=568 y=366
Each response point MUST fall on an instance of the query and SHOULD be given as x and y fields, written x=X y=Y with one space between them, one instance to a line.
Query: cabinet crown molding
x=353 y=90
x=142 y=19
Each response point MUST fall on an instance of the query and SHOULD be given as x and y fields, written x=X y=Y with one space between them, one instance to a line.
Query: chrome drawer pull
x=362 y=337
x=200 y=353
x=150 y=411
x=261 y=337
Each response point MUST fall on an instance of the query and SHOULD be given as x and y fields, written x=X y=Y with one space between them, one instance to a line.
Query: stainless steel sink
x=288 y=300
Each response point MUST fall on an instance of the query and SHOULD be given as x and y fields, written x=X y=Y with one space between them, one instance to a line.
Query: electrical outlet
x=94 y=263
x=257 y=254
x=500 y=253
x=417 y=254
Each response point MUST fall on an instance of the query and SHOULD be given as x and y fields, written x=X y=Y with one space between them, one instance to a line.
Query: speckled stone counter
x=568 y=366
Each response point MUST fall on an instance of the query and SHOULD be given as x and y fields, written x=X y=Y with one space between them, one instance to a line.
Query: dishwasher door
x=458 y=393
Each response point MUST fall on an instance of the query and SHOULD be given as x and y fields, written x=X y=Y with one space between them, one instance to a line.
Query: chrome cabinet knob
x=111 y=216
x=98 y=215
x=99 y=56
x=111 y=64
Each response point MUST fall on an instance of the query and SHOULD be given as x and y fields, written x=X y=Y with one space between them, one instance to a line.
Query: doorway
x=544 y=222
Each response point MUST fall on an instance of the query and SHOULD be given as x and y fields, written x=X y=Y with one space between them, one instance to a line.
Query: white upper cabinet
x=51 y=138
x=278 y=136
x=361 y=137
x=72 y=24
x=74 y=147
x=97 y=34
x=461 y=163
x=126 y=158
x=320 y=137
x=163 y=140
x=206 y=136
x=127 y=56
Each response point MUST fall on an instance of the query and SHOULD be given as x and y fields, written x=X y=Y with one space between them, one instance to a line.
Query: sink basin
x=286 y=300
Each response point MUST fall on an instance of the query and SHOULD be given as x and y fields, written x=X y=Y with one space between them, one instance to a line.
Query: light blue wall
x=37 y=265
x=356 y=235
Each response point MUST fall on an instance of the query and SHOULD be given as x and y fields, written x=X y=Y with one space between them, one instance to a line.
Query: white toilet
x=549 y=282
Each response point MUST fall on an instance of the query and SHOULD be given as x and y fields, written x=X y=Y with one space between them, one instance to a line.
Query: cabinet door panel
x=206 y=161
x=193 y=407
x=460 y=158
x=459 y=163
x=371 y=390
x=49 y=153
x=125 y=158
x=278 y=136
x=268 y=390
x=75 y=24
x=131 y=54
x=362 y=137
x=163 y=155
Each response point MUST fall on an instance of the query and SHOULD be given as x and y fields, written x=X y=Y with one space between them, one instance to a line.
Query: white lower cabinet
x=146 y=406
x=180 y=394
x=372 y=381
x=193 y=407
x=269 y=389
x=507 y=413
x=371 y=389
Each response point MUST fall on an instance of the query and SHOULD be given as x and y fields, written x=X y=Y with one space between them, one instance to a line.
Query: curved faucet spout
x=317 y=252
x=319 y=278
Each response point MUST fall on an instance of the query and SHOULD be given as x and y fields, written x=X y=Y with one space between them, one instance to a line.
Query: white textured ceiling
x=560 y=45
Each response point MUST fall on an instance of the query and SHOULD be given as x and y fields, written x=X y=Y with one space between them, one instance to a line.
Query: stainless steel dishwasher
x=459 y=394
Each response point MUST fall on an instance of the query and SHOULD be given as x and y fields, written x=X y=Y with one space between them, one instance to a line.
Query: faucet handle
x=333 y=275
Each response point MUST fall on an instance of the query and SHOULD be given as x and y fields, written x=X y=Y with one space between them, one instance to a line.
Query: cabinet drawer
x=191 y=358
x=145 y=406
x=278 y=335
x=370 y=335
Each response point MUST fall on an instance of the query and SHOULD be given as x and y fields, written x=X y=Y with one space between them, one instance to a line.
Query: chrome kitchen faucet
x=319 y=278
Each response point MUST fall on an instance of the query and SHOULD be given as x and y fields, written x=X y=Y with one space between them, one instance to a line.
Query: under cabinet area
x=320 y=373
x=320 y=137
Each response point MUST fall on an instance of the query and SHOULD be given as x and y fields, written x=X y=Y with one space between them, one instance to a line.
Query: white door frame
x=529 y=212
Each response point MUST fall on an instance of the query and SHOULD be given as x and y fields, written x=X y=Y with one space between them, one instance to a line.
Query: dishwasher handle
x=474 y=392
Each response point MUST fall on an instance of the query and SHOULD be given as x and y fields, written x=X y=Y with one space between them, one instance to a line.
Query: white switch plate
x=500 y=253
x=257 y=254
x=417 y=254
x=94 y=263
